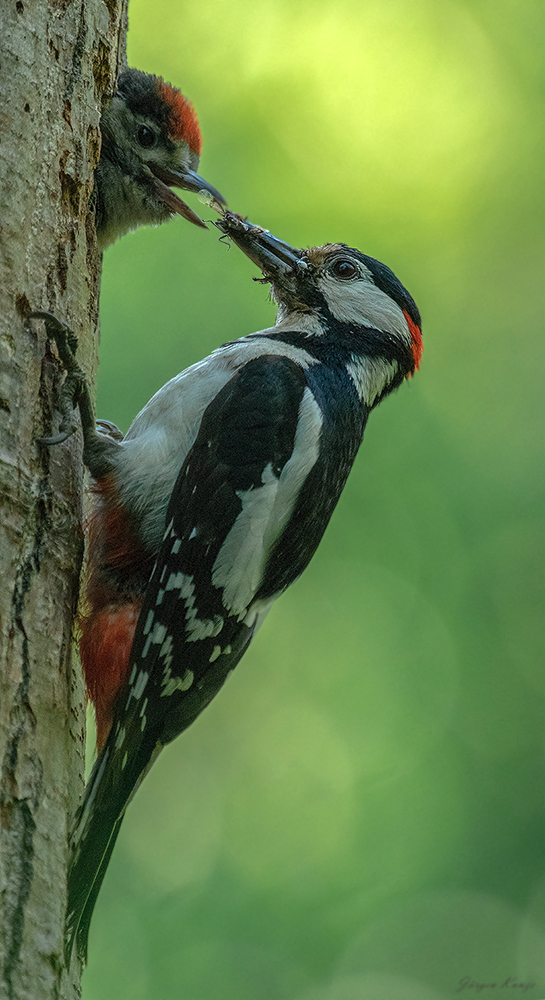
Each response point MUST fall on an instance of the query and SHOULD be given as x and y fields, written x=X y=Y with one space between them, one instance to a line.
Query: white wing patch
x=266 y=509
x=257 y=612
x=151 y=453
x=240 y=562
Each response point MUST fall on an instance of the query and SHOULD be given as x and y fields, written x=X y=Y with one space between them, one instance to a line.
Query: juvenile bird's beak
x=165 y=180
x=277 y=260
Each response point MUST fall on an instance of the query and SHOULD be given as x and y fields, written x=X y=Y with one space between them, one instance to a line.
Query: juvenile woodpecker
x=151 y=142
x=214 y=503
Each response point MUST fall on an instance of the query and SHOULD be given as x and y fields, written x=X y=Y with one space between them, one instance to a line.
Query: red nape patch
x=182 y=121
x=105 y=646
x=416 y=340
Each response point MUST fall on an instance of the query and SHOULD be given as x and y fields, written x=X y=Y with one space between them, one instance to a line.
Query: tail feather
x=78 y=933
x=114 y=780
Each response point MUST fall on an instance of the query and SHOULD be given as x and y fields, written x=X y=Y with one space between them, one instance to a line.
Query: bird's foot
x=109 y=430
x=74 y=389
x=98 y=448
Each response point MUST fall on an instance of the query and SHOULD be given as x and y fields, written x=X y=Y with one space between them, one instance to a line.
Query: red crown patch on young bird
x=151 y=142
x=183 y=122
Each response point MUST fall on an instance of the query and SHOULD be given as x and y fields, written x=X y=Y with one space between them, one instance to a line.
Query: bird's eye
x=344 y=269
x=146 y=136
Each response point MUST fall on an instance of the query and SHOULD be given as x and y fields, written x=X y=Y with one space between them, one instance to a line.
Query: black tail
x=113 y=781
x=77 y=928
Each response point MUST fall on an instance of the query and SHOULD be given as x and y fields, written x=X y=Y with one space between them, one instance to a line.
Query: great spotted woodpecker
x=151 y=142
x=214 y=503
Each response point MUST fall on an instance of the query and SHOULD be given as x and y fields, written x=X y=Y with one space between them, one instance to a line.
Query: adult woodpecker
x=151 y=142
x=214 y=503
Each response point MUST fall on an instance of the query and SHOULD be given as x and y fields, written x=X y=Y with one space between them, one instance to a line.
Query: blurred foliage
x=360 y=814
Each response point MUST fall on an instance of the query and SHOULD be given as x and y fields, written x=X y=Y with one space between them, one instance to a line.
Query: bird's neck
x=122 y=202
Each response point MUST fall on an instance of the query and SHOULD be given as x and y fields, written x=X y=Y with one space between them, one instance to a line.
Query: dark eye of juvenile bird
x=146 y=136
x=344 y=269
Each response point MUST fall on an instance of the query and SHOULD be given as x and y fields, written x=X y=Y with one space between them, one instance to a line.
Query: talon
x=97 y=448
x=48 y=442
x=74 y=388
x=109 y=429
x=64 y=337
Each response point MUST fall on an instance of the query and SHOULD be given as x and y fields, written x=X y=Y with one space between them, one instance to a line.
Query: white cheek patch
x=241 y=561
x=362 y=303
x=371 y=376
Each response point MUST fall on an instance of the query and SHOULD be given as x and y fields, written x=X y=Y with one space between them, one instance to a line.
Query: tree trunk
x=57 y=61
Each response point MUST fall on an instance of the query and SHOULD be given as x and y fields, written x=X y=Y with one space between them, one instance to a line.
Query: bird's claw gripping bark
x=98 y=448
x=64 y=337
x=74 y=390
x=67 y=399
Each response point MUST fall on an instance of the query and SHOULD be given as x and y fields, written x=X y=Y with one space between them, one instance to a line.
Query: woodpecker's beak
x=278 y=261
x=165 y=180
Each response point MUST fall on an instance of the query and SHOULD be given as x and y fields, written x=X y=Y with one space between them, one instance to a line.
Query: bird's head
x=151 y=142
x=340 y=297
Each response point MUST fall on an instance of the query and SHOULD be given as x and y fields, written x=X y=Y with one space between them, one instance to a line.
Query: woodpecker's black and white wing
x=258 y=441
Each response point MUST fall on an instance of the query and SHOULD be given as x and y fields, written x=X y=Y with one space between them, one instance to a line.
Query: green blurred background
x=360 y=815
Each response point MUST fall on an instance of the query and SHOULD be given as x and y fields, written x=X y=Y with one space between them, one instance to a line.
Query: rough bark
x=57 y=61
